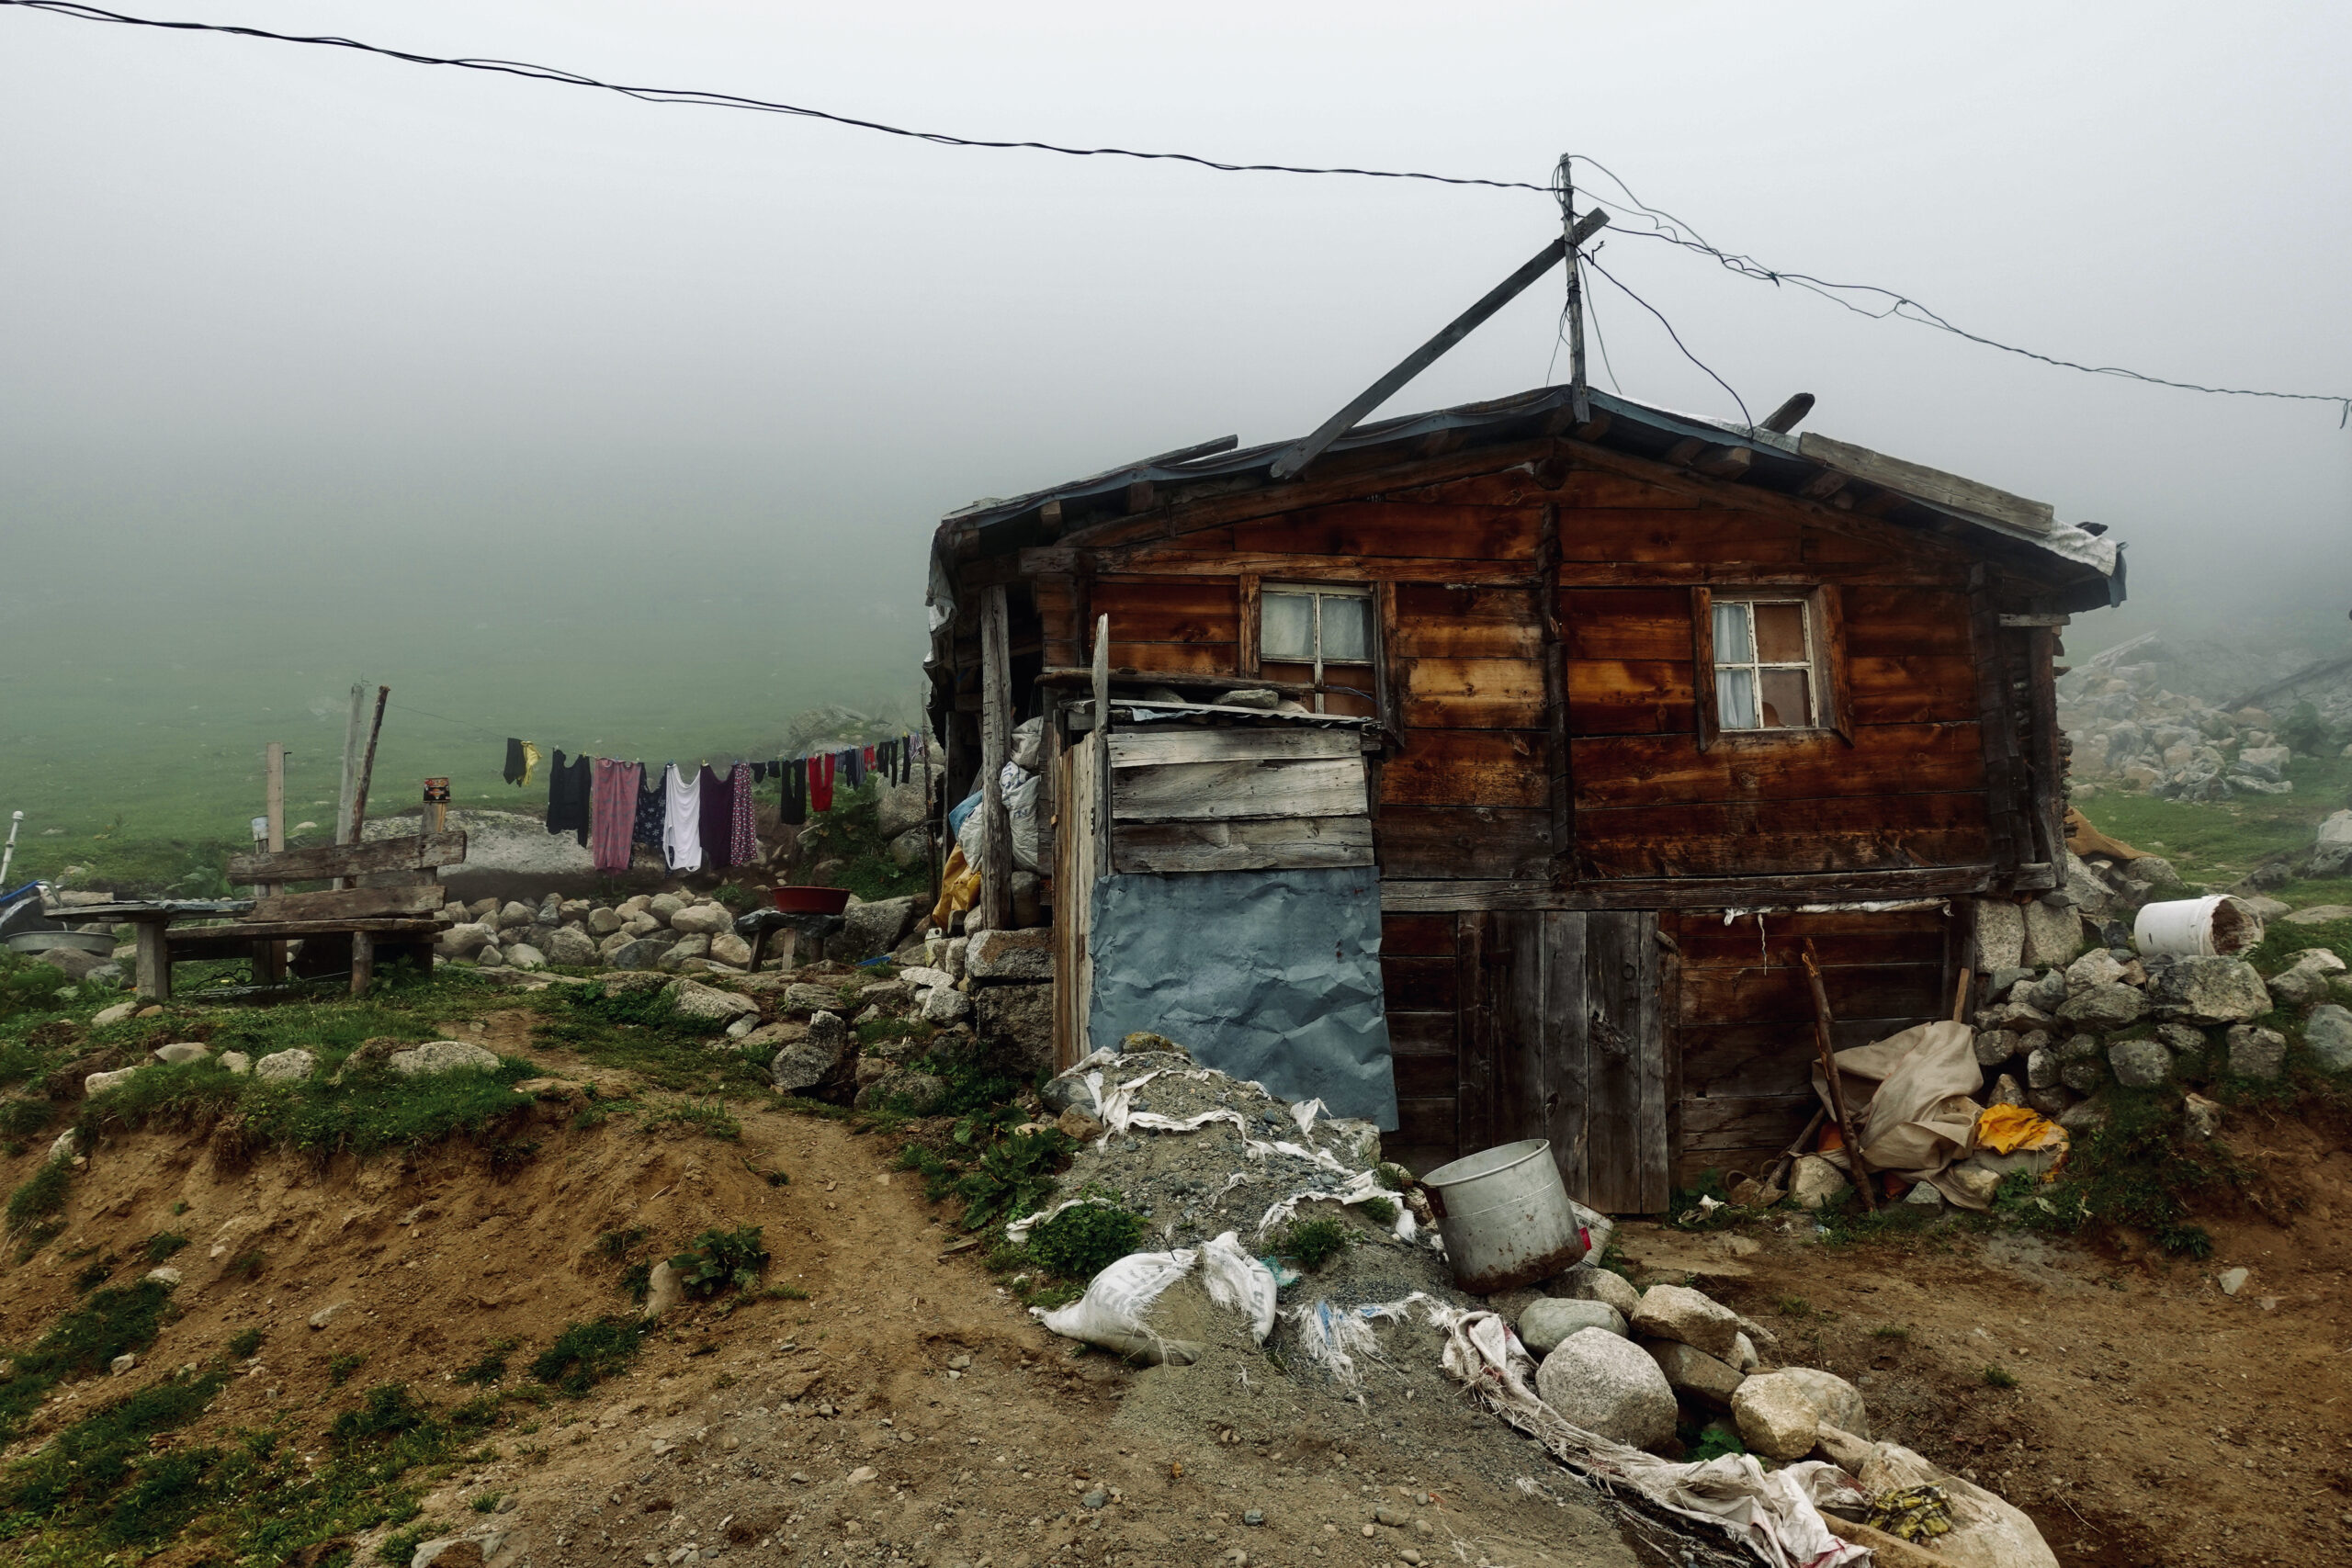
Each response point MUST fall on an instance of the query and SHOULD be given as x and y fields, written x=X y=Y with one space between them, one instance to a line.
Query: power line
x=1746 y=418
x=734 y=101
x=1675 y=231
x=1654 y=223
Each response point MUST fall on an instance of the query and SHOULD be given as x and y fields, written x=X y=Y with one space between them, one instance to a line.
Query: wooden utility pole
x=996 y=743
x=350 y=764
x=347 y=831
x=1580 y=405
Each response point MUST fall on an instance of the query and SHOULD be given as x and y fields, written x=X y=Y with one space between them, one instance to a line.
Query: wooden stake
x=996 y=743
x=350 y=764
x=1959 y=996
x=273 y=954
x=350 y=833
x=1821 y=1026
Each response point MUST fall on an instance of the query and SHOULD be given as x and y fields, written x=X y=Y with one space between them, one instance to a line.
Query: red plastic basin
x=810 y=900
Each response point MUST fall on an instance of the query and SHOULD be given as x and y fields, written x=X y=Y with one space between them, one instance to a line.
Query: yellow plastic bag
x=959 y=889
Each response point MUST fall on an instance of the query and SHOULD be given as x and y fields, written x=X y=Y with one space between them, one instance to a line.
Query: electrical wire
x=1746 y=417
x=1644 y=221
x=1665 y=226
x=734 y=101
x=1598 y=341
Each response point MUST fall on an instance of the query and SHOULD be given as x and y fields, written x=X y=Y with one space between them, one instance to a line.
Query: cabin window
x=1766 y=674
x=1321 y=626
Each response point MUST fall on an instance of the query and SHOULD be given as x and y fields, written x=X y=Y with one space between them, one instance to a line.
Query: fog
x=556 y=408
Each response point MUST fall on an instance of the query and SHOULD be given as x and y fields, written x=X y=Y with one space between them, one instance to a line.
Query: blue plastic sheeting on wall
x=1266 y=975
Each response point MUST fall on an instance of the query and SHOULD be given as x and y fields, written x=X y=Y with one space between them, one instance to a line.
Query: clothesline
x=696 y=819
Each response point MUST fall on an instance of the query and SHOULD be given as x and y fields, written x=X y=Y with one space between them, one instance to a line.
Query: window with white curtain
x=1766 y=674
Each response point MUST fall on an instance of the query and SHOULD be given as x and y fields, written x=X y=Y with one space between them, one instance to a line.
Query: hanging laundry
x=851 y=763
x=820 y=782
x=680 y=820
x=516 y=766
x=653 y=805
x=718 y=817
x=568 y=788
x=792 y=805
x=612 y=814
x=759 y=772
x=530 y=763
x=743 y=841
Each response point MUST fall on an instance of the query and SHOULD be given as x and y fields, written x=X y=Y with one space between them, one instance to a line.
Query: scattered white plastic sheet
x=1115 y=1311
x=1018 y=1231
x=1360 y=1186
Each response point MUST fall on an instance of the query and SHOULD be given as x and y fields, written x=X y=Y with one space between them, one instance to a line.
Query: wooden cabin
x=1613 y=714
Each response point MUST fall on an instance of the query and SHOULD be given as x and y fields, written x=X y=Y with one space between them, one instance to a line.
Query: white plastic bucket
x=1505 y=1216
x=2196 y=928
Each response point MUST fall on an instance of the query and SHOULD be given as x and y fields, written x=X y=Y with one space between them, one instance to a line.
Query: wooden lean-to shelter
x=1604 y=717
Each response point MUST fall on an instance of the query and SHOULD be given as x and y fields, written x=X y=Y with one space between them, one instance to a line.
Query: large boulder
x=97 y=1084
x=1590 y=1283
x=702 y=920
x=180 y=1051
x=2139 y=1064
x=903 y=808
x=731 y=949
x=2307 y=979
x=2332 y=856
x=72 y=963
x=685 y=947
x=2328 y=1032
x=1688 y=1317
x=573 y=948
x=641 y=953
x=1814 y=1181
x=1011 y=956
x=523 y=956
x=823 y=1059
x=697 y=1000
x=1696 y=1375
x=1838 y=1402
x=801 y=997
x=286 y=1066
x=1544 y=1321
x=2111 y=1005
x=1605 y=1384
x=868 y=931
x=943 y=1005
x=1776 y=1417
x=2205 y=991
x=663 y=907
x=603 y=922
x=442 y=1057
x=1016 y=1019
x=2000 y=934
x=466 y=938
x=2257 y=1053
x=2053 y=935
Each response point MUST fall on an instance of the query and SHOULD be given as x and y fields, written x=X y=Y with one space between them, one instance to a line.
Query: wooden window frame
x=1825 y=631
x=1377 y=612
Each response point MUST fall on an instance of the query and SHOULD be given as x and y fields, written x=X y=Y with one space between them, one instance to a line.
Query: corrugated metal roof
x=1776 y=462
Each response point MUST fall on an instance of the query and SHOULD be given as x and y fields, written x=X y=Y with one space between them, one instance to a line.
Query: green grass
x=244 y=1342
x=40 y=1195
x=639 y=1031
x=720 y=1260
x=81 y=1343
x=1313 y=1243
x=2218 y=842
x=1999 y=1377
x=1084 y=1240
x=585 y=1354
x=340 y=1368
x=710 y=1119
x=162 y=1245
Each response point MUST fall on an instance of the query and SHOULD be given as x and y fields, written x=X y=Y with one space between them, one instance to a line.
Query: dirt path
x=908 y=1410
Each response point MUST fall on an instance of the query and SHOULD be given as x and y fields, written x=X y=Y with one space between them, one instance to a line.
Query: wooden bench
x=399 y=911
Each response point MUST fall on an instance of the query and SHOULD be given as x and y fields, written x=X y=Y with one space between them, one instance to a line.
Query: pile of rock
x=2053 y=1037
x=680 y=932
x=2129 y=732
x=1628 y=1364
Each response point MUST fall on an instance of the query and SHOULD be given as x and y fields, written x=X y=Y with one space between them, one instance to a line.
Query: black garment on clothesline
x=515 y=763
x=792 y=809
x=570 y=788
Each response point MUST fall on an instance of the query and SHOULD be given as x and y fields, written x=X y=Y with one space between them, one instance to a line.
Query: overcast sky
x=403 y=367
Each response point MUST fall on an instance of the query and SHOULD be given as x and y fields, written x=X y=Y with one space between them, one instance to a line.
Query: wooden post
x=272 y=954
x=1579 y=402
x=996 y=742
x=154 y=979
x=1960 y=997
x=349 y=832
x=350 y=763
x=1821 y=1023
x=363 y=961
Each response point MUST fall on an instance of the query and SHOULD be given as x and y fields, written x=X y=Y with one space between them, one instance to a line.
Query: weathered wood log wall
x=1541 y=673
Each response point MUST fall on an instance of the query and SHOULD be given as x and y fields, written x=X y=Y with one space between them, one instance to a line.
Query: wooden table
x=160 y=947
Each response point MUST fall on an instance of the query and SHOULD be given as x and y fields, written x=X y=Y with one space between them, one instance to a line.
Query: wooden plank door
x=1561 y=1038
